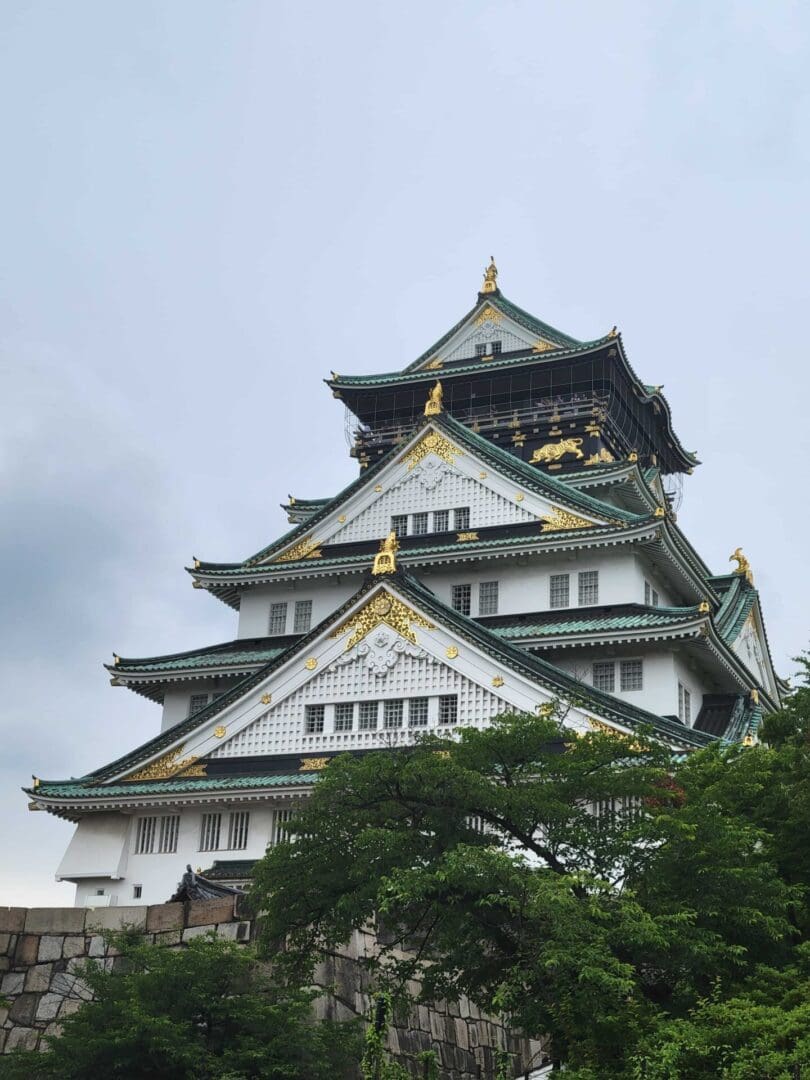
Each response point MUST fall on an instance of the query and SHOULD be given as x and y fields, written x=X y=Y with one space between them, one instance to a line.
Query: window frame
x=607 y=667
x=418 y=519
x=445 y=701
x=364 y=722
x=399 y=525
x=423 y=702
x=302 y=613
x=553 y=580
x=314 y=719
x=466 y=607
x=623 y=665
x=272 y=614
x=491 y=606
x=338 y=720
x=461 y=518
x=443 y=525
x=584 y=586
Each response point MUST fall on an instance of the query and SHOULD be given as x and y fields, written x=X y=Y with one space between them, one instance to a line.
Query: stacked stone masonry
x=42 y=952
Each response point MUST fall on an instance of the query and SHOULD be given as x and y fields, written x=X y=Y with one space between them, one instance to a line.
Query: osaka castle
x=510 y=542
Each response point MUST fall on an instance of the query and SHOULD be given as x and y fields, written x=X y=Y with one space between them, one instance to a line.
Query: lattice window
x=441 y=520
x=367 y=720
x=460 y=597
x=448 y=709
x=496 y=348
x=314 y=716
x=559 y=588
x=169 y=830
x=420 y=524
x=488 y=598
x=209 y=832
x=302 y=620
x=399 y=524
x=238 y=824
x=631 y=675
x=344 y=716
x=145 y=835
x=588 y=581
x=392 y=713
x=461 y=518
x=277 y=623
x=481 y=349
x=604 y=676
x=197 y=702
x=684 y=704
x=418 y=712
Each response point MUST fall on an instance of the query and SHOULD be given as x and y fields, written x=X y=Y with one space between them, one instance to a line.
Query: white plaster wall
x=687 y=672
x=326 y=595
x=646 y=572
x=177 y=699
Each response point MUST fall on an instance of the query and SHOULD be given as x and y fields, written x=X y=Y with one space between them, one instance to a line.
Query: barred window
x=448 y=709
x=604 y=676
x=461 y=517
x=684 y=704
x=588 y=587
x=631 y=675
x=167 y=838
x=460 y=598
x=488 y=598
x=399 y=524
x=279 y=834
x=392 y=713
x=145 y=836
x=558 y=590
x=647 y=593
x=481 y=350
x=302 y=620
x=367 y=720
x=654 y=598
x=197 y=702
x=209 y=832
x=441 y=520
x=344 y=716
x=420 y=524
x=238 y=823
x=418 y=712
x=313 y=719
x=496 y=347
x=278 y=619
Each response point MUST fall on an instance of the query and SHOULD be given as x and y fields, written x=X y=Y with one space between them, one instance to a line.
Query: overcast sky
x=206 y=206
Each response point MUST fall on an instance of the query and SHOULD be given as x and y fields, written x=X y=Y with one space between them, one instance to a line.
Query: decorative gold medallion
x=452 y=652
x=341 y=518
x=266 y=699
x=383 y=608
x=520 y=497
x=482 y=476
x=313 y=764
x=559 y=520
x=497 y=680
x=219 y=731
x=311 y=663
x=378 y=487
x=432 y=443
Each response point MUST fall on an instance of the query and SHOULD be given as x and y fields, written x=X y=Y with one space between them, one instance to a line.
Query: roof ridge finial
x=743 y=565
x=490 y=277
x=385 y=561
x=433 y=405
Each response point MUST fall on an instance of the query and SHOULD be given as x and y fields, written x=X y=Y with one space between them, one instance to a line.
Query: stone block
x=201 y=912
x=38 y=978
x=55 y=920
x=5 y=963
x=5 y=944
x=27 y=948
x=13 y=983
x=21 y=1038
x=461 y=1034
x=74 y=946
x=69 y=1006
x=12 y=919
x=116 y=918
x=23 y=1010
x=167 y=938
x=97 y=946
x=164 y=917
x=3 y=1035
x=197 y=931
x=49 y=1005
x=52 y=1031
x=50 y=948
x=70 y=986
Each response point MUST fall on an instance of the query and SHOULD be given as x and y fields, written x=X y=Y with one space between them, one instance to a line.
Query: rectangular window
x=448 y=709
x=654 y=598
x=209 y=832
x=460 y=598
x=684 y=704
x=197 y=702
x=441 y=520
x=399 y=524
x=488 y=598
x=631 y=675
x=238 y=823
x=344 y=716
x=302 y=619
x=420 y=524
x=137 y=892
x=313 y=719
x=481 y=350
x=496 y=348
x=588 y=588
x=278 y=619
x=281 y=818
x=647 y=593
x=558 y=590
x=367 y=719
x=169 y=828
x=145 y=836
x=461 y=517
x=604 y=676
x=392 y=714
x=418 y=712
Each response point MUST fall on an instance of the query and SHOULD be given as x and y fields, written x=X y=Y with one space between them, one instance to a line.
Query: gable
x=486 y=326
x=751 y=648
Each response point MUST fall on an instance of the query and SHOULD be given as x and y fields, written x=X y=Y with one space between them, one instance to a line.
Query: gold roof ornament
x=385 y=561
x=743 y=565
x=490 y=277
x=703 y=607
x=659 y=512
x=116 y=659
x=755 y=696
x=433 y=405
x=614 y=332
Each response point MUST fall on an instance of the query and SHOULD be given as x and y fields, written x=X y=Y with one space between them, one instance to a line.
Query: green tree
x=204 y=1011
x=483 y=855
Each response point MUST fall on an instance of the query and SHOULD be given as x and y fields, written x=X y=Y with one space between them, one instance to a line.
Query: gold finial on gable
x=490 y=277
x=433 y=405
x=385 y=561
x=743 y=565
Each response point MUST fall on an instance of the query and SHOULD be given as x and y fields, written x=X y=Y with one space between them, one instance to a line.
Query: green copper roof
x=214 y=656
x=85 y=788
x=643 y=619
x=738 y=599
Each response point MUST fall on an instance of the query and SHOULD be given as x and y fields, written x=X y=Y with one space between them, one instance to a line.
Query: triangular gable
x=751 y=646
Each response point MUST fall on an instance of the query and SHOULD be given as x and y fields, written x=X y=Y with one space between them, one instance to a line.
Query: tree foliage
x=205 y=1011
x=484 y=857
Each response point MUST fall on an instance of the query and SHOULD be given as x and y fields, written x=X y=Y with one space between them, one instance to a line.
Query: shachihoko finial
x=743 y=565
x=433 y=405
x=490 y=277
x=385 y=561
x=614 y=332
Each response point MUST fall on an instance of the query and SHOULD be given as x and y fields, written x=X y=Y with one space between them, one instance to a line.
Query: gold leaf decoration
x=497 y=680
x=452 y=652
x=306 y=548
x=311 y=663
x=602 y=456
x=555 y=451
x=559 y=519
x=489 y=314
x=543 y=346
x=170 y=764
x=432 y=443
x=313 y=764
x=382 y=608
x=465 y=537
x=219 y=731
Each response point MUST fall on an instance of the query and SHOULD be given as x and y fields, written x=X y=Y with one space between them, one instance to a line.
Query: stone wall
x=43 y=949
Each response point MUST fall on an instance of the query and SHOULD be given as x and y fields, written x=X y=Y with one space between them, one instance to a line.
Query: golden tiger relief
x=555 y=450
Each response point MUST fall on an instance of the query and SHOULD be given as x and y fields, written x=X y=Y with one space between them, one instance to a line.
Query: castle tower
x=510 y=540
